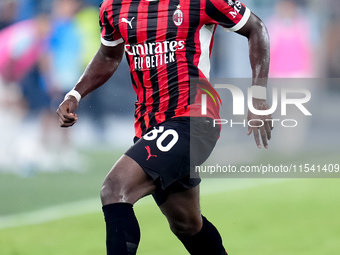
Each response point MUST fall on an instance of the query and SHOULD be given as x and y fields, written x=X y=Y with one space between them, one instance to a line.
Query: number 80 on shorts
x=159 y=134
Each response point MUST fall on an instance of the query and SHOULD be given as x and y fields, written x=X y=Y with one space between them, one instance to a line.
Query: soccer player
x=167 y=44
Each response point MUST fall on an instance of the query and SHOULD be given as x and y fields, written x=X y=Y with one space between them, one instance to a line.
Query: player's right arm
x=99 y=70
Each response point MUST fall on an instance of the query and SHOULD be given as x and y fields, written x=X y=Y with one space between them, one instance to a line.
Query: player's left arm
x=259 y=55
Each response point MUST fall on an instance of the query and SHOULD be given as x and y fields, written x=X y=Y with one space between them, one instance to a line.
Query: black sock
x=206 y=242
x=122 y=229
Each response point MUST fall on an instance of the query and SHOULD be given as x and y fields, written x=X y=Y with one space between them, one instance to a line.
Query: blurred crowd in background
x=45 y=46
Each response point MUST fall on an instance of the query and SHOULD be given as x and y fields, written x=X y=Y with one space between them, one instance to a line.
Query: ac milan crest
x=177 y=17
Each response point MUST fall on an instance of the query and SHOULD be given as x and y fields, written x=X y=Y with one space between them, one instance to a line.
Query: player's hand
x=67 y=117
x=261 y=125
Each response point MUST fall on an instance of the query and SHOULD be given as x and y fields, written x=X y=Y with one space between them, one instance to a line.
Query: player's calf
x=122 y=229
x=206 y=242
x=123 y=186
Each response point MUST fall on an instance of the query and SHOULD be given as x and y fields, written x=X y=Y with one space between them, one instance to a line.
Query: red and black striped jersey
x=167 y=44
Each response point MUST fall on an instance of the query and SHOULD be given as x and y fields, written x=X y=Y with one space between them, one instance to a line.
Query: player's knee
x=185 y=228
x=110 y=193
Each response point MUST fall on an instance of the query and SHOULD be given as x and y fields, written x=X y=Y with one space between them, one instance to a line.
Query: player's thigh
x=126 y=182
x=182 y=210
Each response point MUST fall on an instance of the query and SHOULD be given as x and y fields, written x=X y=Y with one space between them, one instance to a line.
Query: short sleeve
x=109 y=34
x=230 y=14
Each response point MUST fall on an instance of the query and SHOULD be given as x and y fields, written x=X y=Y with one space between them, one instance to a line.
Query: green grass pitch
x=296 y=216
x=254 y=216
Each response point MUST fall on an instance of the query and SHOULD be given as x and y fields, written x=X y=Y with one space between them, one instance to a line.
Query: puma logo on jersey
x=149 y=152
x=128 y=22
